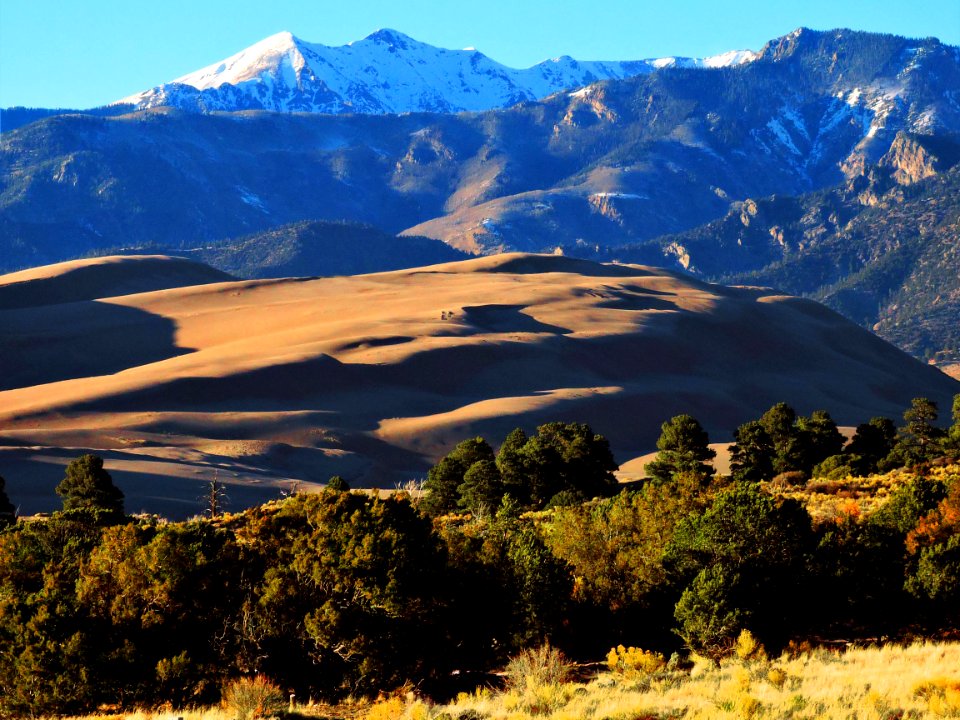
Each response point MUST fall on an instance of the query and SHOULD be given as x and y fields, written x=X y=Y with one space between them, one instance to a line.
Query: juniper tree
x=88 y=486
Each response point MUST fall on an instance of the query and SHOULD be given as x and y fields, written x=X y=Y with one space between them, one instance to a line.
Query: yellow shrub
x=748 y=648
x=391 y=709
x=634 y=662
x=701 y=665
x=777 y=677
x=511 y=699
x=748 y=706
x=733 y=695
x=741 y=679
x=418 y=711
x=543 y=699
x=942 y=696
x=946 y=705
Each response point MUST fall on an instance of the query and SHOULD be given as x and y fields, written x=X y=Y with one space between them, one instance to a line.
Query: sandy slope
x=373 y=376
x=99 y=277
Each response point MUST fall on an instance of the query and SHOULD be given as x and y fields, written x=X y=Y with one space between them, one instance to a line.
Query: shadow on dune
x=537 y=264
x=507 y=319
x=277 y=387
x=83 y=339
x=131 y=275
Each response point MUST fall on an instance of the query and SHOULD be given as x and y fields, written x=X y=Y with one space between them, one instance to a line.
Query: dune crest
x=374 y=376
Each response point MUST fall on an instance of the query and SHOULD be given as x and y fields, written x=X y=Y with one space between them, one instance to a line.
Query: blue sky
x=82 y=53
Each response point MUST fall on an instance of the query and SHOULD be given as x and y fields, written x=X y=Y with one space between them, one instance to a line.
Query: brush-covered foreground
x=869 y=683
x=342 y=594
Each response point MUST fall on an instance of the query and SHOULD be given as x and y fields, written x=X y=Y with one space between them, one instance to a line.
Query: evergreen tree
x=445 y=478
x=919 y=439
x=746 y=555
x=872 y=442
x=442 y=487
x=338 y=484
x=779 y=422
x=482 y=489
x=823 y=439
x=751 y=455
x=791 y=447
x=8 y=513
x=567 y=456
x=952 y=441
x=512 y=464
x=920 y=419
x=684 y=447
x=88 y=486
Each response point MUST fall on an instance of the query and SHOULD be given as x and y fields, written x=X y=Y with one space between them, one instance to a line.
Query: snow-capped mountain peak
x=264 y=56
x=386 y=72
x=389 y=37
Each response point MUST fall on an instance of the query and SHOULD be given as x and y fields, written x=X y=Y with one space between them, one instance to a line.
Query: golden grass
x=876 y=683
x=921 y=681
x=830 y=500
x=352 y=710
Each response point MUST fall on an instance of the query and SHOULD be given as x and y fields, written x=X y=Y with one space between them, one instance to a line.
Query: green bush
x=838 y=467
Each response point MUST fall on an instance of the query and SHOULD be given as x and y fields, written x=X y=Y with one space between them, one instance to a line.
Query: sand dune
x=101 y=277
x=374 y=376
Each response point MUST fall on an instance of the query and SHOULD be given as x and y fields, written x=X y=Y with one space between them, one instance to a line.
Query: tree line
x=343 y=592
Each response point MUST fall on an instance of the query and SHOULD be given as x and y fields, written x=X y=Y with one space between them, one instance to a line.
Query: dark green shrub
x=337 y=484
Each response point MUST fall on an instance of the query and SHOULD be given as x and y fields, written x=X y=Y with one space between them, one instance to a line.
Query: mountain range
x=881 y=248
x=386 y=72
x=622 y=168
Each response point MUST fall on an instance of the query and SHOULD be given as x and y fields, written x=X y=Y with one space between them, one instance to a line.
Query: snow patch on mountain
x=731 y=58
x=387 y=72
x=619 y=195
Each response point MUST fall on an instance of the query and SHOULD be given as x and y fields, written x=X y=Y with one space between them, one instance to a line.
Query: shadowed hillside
x=321 y=248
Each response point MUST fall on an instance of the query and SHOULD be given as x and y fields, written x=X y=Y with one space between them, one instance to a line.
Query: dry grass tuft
x=253 y=698
x=541 y=666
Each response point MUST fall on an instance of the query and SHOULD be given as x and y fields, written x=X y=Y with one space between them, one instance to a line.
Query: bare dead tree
x=214 y=497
